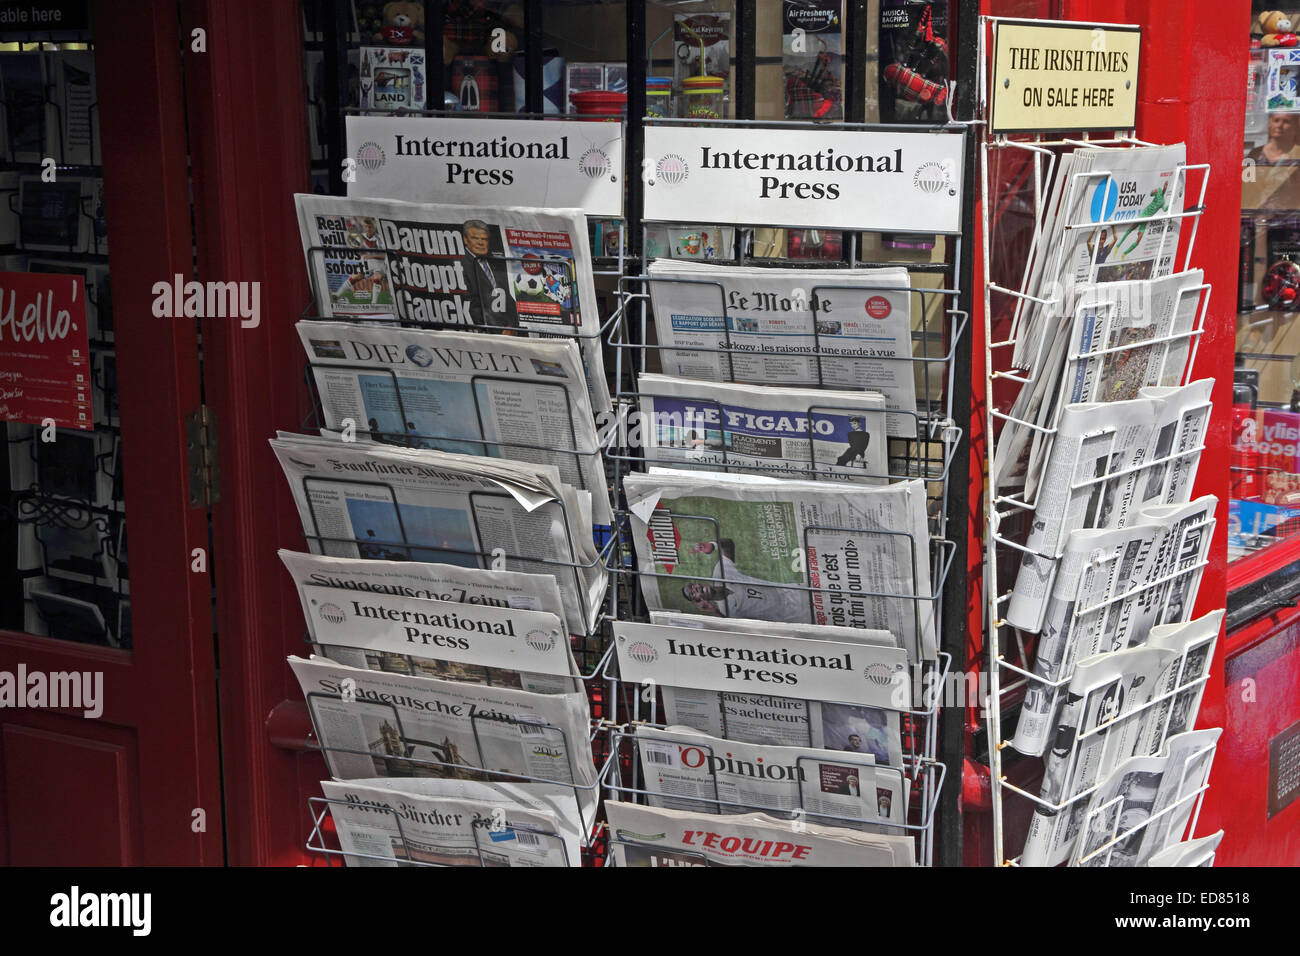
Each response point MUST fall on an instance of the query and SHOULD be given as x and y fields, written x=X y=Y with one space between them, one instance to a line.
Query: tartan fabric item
x=474 y=80
x=911 y=85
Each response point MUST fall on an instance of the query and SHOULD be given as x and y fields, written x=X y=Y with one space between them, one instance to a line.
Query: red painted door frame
x=248 y=138
x=1189 y=90
x=152 y=756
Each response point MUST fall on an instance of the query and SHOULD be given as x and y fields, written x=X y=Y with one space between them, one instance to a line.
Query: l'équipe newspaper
x=789 y=327
x=365 y=500
x=784 y=550
x=835 y=435
x=461 y=392
x=454 y=823
x=689 y=770
x=375 y=724
x=650 y=836
x=511 y=268
x=834 y=693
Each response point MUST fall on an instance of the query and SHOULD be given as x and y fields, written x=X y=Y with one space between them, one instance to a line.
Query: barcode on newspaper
x=530 y=726
x=530 y=840
x=661 y=755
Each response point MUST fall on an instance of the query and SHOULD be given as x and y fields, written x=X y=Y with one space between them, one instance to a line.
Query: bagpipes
x=919 y=73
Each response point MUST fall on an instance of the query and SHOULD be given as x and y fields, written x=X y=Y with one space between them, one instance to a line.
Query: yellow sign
x=1064 y=77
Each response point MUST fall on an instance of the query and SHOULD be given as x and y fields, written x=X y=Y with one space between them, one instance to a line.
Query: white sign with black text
x=487 y=162
x=836 y=179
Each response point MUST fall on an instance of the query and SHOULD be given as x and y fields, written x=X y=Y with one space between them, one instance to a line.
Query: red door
x=140 y=783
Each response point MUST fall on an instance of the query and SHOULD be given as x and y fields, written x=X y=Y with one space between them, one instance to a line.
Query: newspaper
x=1145 y=805
x=784 y=550
x=1104 y=357
x=1089 y=234
x=809 y=632
x=461 y=392
x=1113 y=587
x=416 y=821
x=841 y=328
x=650 y=836
x=832 y=435
x=390 y=725
x=1108 y=461
x=470 y=643
x=1191 y=853
x=1119 y=705
x=689 y=770
x=418 y=579
x=508 y=268
x=364 y=500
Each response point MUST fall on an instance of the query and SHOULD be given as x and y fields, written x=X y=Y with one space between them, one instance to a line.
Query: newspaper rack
x=1018 y=361
x=439 y=768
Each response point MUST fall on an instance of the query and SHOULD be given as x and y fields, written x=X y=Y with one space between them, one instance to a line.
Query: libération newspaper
x=689 y=770
x=366 y=500
x=388 y=822
x=1113 y=587
x=461 y=392
x=801 y=432
x=374 y=724
x=1109 y=460
x=843 y=328
x=785 y=550
x=651 y=836
x=512 y=269
x=1118 y=705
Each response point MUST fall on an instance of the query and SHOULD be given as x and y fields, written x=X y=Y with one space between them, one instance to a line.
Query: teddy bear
x=403 y=24
x=1275 y=29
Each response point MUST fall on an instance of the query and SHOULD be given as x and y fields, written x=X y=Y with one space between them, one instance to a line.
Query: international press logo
x=879 y=674
x=332 y=613
x=370 y=156
x=671 y=170
x=933 y=178
x=594 y=163
x=643 y=653
x=540 y=641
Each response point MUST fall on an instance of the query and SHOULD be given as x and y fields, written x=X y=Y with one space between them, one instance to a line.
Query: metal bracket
x=201 y=450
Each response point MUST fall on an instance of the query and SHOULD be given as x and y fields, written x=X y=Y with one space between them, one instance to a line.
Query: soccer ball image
x=530 y=284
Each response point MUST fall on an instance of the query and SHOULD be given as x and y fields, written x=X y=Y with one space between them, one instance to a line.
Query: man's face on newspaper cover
x=476 y=240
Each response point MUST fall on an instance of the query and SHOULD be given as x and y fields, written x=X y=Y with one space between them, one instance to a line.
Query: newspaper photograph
x=842 y=328
x=408 y=826
x=1145 y=805
x=372 y=724
x=785 y=550
x=469 y=643
x=511 y=269
x=651 y=836
x=365 y=500
x=799 y=432
x=419 y=579
x=1118 y=705
x=461 y=392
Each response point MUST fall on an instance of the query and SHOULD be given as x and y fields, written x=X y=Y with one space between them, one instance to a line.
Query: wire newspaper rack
x=1024 y=165
x=394 y=756
x=920 y=444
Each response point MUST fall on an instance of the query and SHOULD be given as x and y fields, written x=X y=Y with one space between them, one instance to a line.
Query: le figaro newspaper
x=507 y=269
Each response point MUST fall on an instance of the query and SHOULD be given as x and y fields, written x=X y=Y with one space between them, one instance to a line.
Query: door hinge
x=201 y=447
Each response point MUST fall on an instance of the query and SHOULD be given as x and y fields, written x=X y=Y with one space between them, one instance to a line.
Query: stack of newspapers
x=1101 y=446
x=448 y=504
x=785 y=563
